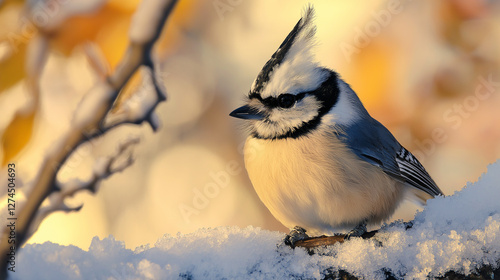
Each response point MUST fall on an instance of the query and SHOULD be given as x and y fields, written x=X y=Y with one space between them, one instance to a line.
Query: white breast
x=319 y=184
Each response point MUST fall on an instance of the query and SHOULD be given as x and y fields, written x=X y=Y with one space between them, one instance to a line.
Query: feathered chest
x=318 y=183
x=307 y=167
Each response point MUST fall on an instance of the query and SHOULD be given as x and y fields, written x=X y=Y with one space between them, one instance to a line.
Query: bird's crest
x=292 y=66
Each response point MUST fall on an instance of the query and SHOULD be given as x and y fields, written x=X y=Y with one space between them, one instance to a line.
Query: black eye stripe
x=254 y=95
x=273 y=102
x=327 y=94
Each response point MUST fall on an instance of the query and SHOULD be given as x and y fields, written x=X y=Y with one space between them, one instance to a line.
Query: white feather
x=298 y=72
x=282 y=120
x=346 y=111
x=319 y=184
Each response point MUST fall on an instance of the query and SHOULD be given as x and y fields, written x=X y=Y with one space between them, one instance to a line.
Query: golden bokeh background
x=428 y=70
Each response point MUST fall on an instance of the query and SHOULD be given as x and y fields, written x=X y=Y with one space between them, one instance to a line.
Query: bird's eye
x=286 y=100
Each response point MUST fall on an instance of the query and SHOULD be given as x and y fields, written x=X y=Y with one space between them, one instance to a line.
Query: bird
x=315 y=157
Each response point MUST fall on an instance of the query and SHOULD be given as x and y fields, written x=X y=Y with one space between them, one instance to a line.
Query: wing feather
x=415 y=174
x=376 y=145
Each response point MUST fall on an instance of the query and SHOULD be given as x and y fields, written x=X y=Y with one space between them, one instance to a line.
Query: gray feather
x=374 y=143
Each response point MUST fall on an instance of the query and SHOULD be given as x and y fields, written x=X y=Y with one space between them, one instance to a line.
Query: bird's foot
x=296 y=234
x=358 y=231
x=408 y=225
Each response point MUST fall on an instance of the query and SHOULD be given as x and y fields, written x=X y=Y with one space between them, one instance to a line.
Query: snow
x=93 y=101
x=101 y=166
x=460 y=232
x=139 y=105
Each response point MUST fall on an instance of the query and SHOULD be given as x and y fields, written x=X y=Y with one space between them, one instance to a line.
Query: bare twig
x=89 y=116
x=104 y=168
x=97 y=61
x=140 y=106
x=319 y=241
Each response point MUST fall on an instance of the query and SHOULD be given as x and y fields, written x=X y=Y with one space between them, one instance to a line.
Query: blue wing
x=373 y=143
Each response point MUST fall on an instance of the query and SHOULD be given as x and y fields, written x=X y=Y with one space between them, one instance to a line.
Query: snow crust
x=98 y=95
x=460 y=232
x=140 y=104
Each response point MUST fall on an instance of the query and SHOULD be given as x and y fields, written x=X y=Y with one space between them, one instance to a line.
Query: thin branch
x=97 y=61
x=140 y=106
x=319 y=241
x=98 y=101
x=105 y=167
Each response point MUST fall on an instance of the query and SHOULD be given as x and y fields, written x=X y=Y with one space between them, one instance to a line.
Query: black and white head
x=293 y=94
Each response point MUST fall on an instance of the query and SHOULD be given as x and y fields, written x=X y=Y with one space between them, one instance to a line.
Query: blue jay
x=316 y=158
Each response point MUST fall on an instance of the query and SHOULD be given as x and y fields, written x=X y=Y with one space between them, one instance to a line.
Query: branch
x=313 y=242
x=321 y=241
x=140 y=106
x=104 y=168
x=144 y=31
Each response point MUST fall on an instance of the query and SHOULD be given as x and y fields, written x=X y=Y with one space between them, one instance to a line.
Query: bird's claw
x=408 y=225
x=358 y=231
x=295 y=235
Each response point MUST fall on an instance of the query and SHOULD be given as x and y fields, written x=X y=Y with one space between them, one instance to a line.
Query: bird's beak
x=247 y=113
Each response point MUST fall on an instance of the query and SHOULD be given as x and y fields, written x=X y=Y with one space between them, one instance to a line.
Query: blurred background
x=428 y=70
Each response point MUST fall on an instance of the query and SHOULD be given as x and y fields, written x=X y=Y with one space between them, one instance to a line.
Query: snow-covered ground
x=459 y=232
